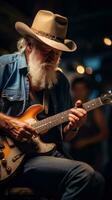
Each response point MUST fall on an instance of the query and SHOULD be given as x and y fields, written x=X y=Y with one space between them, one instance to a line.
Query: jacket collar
x=22 y=59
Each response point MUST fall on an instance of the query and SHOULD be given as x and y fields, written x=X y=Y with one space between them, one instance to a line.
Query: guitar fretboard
x=50 y=122
x=92 y=104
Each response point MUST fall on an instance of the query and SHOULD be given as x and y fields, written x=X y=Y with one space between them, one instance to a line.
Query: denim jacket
x=14 y=86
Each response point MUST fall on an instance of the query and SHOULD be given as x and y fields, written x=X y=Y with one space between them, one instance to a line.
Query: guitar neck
x=52 y=121
x=55 y=120
x=92 y=104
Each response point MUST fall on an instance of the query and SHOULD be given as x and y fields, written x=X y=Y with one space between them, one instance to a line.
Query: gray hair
x=23 y=42
x=21 y=45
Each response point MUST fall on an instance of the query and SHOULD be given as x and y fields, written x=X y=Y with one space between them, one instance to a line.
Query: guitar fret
x=92 y=104
x=52 y=121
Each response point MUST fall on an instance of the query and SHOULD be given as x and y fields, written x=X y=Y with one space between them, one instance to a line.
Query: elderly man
x=32 y=76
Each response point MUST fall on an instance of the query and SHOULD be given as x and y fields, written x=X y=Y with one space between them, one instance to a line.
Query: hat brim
x=67 y=45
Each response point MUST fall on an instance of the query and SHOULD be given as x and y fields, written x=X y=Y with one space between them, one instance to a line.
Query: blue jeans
x=67 y=179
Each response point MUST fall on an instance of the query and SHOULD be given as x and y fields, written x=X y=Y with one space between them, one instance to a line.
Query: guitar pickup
x=17 y=157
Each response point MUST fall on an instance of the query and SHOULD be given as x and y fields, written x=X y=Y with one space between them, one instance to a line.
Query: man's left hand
x=76 y=117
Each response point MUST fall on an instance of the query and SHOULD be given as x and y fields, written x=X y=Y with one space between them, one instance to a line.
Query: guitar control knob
x=1 y=154
x=8 y=169
x=4 y=162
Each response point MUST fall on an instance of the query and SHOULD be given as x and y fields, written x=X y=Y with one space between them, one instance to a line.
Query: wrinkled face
x=43 y=61
x=47 y=54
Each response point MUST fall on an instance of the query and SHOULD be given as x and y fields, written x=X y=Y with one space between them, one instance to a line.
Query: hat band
x=48 y=35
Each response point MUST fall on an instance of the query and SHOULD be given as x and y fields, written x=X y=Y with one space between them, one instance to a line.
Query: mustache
x=48 y=66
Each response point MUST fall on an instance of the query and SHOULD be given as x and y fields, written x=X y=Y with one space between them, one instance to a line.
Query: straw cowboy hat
x=49 y=28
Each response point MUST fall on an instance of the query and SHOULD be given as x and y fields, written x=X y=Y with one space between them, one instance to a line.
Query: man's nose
x=51 y=56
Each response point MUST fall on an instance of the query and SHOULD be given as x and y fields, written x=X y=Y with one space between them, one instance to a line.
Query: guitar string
x=39 y=125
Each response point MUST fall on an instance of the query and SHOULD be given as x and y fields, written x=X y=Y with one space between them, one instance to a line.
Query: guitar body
x=13 y=152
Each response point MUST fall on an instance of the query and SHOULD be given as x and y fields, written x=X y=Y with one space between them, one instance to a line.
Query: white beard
x=42 y=74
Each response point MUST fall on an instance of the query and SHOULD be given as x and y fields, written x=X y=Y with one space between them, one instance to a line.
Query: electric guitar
x=12 y=154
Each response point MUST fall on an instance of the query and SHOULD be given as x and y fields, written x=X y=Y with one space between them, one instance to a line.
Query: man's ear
x=29 y=48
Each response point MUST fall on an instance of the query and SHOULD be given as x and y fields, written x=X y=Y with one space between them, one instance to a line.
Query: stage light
x=107 y=41
x=80 y=69
x=89 y=70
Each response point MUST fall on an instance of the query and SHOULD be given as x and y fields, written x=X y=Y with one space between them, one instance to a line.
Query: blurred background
x=90 y=26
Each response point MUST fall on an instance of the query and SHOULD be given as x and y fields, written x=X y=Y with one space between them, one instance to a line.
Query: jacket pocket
x=12 y=102
x=12 y=95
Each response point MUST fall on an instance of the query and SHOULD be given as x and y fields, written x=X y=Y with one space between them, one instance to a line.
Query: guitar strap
x=52 y=94
x=54 y=100
x=46 y=100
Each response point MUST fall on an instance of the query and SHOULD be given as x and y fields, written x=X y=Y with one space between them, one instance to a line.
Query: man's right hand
x=19 y=130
